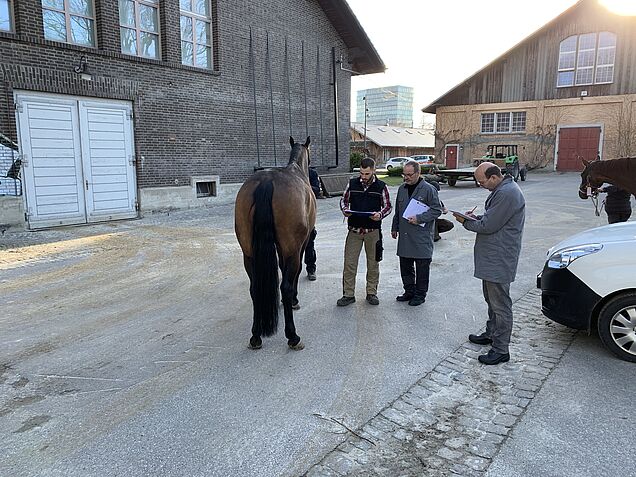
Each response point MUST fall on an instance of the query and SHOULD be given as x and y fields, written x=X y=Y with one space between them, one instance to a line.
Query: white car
x=396 y=162
x=589 y=280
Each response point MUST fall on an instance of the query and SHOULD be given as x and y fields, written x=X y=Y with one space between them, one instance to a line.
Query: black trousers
x=619 y=217
x=415 y=275
x=310 y=253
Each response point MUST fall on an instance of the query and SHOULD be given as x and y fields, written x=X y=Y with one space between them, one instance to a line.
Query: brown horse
x=619 y=172
x=275 y=213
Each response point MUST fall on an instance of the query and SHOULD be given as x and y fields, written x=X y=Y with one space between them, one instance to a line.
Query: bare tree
x=622 y=130
x=546 y=121
x=451 y=127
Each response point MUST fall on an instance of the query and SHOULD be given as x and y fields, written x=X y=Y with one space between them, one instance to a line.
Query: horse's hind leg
x=255 y=340
x=291 y=271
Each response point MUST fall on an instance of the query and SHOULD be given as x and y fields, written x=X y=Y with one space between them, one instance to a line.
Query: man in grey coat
x=497 y=247
x=415 y=233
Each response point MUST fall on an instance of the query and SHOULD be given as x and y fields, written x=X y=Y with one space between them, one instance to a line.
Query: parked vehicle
x=589 y=280
x=424 y=159
x=396 y=162
x=505 y=156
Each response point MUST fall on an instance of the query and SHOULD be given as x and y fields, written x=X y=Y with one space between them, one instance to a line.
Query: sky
x=433 y=45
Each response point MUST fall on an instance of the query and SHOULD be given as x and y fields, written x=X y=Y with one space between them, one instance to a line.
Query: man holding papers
x=365 y=203
x=497 y=247
x=416 y=208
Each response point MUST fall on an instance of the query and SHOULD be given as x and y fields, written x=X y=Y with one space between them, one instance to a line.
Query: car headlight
x=563 y=258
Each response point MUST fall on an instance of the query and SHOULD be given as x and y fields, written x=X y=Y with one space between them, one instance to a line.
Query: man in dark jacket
x=365 y=203
x=310 y=250
x=618 y=204
x=415 y=233
x=497 y=247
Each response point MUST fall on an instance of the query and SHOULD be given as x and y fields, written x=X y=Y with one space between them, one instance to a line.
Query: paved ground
x=123 y=352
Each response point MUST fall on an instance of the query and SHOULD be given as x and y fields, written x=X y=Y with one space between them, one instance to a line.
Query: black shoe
x=405 y=297
x=494 y=358
x=373 y=300
x=346 y=300
x=481 y=339
x=437 y=238
x=311 y=276
x=417 y=300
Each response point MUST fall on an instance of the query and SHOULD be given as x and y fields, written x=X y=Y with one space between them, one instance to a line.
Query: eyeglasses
x=409 y=175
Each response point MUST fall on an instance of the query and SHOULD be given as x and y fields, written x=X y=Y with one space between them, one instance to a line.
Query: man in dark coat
x=310 y=250
x=618 y=205
x=497 y=248
x=415 y=233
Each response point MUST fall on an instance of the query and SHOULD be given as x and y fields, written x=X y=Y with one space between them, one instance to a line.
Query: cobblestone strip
x=455 y=419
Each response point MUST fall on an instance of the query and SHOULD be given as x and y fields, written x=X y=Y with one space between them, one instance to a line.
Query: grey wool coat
x=415 y=241
x=499 y=232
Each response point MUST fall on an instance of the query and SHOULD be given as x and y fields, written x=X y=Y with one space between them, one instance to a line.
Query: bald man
x=497 y=247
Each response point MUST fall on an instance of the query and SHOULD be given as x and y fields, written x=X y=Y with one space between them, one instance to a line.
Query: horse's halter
x=592 y=193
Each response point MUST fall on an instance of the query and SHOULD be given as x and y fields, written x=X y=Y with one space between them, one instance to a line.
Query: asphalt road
x=123 y=346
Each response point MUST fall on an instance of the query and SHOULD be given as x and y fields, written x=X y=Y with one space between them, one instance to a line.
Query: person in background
x=441 y=225
x=310 y=250
x=365 y=203
x=415 y=234
x=497 y=248
x=618 y=205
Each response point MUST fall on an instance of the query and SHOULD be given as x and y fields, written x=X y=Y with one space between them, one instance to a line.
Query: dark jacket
x=314 y=182
x=361 y=200
x=618 y=201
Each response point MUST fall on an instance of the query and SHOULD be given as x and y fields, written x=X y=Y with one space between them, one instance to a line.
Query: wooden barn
x=566 y=92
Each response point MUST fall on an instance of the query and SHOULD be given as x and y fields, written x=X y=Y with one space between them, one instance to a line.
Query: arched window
x=587 y=59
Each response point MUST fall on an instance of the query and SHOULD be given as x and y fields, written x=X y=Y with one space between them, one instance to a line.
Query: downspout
x=335 y=102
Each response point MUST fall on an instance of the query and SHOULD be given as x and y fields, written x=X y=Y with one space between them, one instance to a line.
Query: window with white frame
x=503 y=123
x=587 y=59
x=5 y=16
x=69 y=21
x=139 y=27
x=196 y=33
x=518 y=121
x=488 y=123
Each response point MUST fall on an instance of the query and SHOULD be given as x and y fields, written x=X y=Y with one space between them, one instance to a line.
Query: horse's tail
x=265 y=263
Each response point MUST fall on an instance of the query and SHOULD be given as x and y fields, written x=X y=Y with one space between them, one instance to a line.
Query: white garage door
x=78 y=159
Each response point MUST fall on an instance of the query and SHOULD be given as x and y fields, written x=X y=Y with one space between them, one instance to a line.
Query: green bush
x=395 y=172
x=354 y=160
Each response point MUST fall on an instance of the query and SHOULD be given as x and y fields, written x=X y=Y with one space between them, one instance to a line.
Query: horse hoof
x=296 y=306
x=297 y=347
x=255 y=344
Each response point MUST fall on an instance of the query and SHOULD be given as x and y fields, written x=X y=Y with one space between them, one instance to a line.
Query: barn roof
x=362 y=54
x=447 y=98
x=392 y=136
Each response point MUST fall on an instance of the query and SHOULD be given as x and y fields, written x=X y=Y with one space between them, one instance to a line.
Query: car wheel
x=388 y=168
x=617 y=326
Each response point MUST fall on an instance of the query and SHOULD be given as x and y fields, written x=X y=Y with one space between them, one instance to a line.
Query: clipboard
x=463 y=216
x=415 y=207
x=359 y=213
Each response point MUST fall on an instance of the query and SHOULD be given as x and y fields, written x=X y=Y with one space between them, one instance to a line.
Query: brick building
x=566 y=92
x=142 y=104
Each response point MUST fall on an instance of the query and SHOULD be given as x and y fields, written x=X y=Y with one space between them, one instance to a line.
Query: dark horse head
x=620 y=172
x=589 y=184
x=299 y=155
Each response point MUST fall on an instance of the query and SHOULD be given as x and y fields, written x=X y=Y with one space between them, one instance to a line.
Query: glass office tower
x=388 y=106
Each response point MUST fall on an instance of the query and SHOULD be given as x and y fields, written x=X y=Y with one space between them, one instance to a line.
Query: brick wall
x=190 y=121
